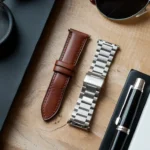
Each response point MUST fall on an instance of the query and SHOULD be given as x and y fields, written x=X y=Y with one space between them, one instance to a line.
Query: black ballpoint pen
x=127 y=114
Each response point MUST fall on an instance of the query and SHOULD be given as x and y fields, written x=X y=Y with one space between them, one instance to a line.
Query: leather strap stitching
x=66 y=45
x=64 y=88
x=47 y=95
x=62 y=93
x=78 y=54
x=67 y=78
x=49 y=89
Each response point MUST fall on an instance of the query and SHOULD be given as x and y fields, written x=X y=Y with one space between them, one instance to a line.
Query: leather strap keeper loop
x=65 y=65
x=64 y=71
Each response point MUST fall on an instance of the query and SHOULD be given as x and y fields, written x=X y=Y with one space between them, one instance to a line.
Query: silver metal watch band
x=93 y=82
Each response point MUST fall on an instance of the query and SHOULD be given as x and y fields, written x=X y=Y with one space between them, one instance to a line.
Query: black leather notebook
x=30 y=17
x=111 y=130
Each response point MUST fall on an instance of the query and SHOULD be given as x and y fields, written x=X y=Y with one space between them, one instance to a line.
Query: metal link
x=93 y=82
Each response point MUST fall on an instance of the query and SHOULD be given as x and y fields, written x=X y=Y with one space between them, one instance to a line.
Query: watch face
x=120 y=9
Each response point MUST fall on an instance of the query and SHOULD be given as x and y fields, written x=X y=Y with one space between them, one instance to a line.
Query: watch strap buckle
x=94 y=79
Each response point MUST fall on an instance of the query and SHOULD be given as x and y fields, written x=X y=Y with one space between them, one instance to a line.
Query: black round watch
x=6 y=29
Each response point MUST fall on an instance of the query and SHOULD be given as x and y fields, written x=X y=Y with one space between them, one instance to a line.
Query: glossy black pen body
x=127 y=118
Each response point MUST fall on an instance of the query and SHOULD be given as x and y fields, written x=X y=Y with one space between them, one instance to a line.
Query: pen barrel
x=128 y=116
x=127 y=120
x=131 y=109
x=118 y=141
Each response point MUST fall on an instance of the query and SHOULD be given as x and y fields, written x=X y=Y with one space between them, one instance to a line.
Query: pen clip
x=122 y=109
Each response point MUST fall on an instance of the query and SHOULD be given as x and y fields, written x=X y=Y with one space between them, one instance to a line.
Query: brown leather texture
x=63 y=71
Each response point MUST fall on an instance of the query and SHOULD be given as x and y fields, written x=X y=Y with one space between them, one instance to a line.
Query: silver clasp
x=94 y=79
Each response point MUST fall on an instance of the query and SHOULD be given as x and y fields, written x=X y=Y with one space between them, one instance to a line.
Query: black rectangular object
x=30 y=18
x=111 y=130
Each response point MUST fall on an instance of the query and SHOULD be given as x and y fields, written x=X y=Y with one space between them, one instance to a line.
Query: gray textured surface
x=30 y=17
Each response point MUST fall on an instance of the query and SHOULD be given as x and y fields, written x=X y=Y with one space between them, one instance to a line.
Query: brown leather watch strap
x=63 y=71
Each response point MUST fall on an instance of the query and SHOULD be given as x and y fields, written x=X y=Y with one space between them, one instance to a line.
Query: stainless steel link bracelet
x=93 y=82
